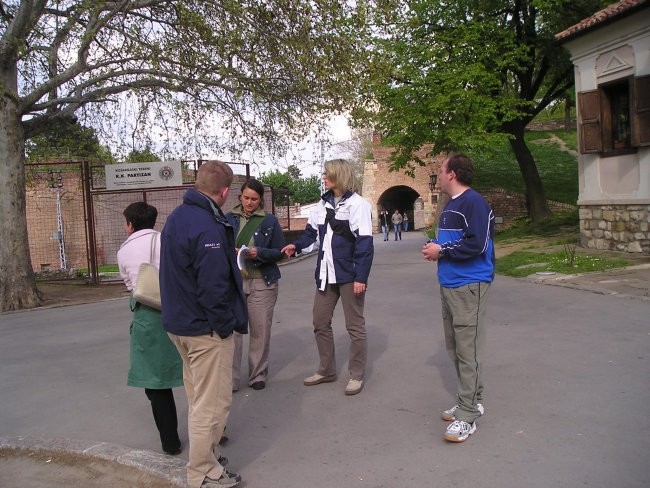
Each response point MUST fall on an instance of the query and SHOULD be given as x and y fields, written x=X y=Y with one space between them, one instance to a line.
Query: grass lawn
x=557 y=168
x=560 y=229
x=525 y=263
x=104 y=268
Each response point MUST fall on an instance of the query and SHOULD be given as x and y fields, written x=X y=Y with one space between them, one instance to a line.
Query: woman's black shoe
x=174 y=452
x=258 y=385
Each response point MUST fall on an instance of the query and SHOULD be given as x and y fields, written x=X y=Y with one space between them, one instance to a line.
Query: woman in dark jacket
x=261 y=234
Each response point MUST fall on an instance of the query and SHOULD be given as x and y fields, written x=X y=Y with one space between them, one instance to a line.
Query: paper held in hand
x=241 y=256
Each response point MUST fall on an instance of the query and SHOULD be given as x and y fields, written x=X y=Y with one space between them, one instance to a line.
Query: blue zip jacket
x=465 y=235
x=200 y=284
x=269 y=241
x=345 y=249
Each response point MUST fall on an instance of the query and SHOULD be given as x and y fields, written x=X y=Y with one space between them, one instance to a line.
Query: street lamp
x=433 y=179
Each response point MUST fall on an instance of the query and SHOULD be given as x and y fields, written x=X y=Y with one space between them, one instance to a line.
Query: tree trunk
x=568 y=104
x=535 y=198
x=17 y=282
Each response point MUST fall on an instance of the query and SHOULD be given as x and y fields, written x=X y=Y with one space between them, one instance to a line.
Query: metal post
x=322 y=163
x=288 y=211
x=91 y=248
x=59 y=221
x=56 y=182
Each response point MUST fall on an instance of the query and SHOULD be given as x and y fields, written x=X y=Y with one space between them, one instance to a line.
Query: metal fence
x=76 y=226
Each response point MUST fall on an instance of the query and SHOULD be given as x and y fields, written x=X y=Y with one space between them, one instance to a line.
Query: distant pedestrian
x=202 y=305
x=385 y=225
x=342 y=222
x=261 y=233
x=155 y=363
x=405 y=222
x=464 y=250
x=397 y=224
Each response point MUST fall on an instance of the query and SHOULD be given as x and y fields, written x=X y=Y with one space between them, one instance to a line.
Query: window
x=615 y=118
x=619 y=98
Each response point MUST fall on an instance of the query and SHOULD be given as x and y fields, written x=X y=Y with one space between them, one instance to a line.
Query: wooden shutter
x=591 y=139
x=640 y=111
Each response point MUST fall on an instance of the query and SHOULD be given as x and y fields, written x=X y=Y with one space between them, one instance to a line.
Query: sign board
x=127 y=176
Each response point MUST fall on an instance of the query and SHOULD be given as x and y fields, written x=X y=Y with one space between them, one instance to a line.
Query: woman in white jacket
x=156 y=365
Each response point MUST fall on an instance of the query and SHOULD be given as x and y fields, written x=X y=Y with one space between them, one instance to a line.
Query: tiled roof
x=601 y=17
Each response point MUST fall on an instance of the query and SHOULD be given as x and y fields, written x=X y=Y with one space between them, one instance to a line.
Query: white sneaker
x=449 y=415
x=354 y=387
x=317 y=379
x=459 y=430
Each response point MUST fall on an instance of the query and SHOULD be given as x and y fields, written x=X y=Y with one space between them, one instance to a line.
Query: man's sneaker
x=449 y=415
x=317 y=379
x=226 y=480
x=459 y=430
x=354 y=387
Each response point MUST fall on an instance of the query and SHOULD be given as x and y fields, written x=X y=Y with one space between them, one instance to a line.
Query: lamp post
x=433 y=179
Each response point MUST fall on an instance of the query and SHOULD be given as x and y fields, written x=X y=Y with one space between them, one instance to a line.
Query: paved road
x=567 y=388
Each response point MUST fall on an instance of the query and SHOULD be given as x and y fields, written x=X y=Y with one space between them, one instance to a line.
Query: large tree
x=67 y=139
x=462 y=73
x=301 y=190
x=265 y=67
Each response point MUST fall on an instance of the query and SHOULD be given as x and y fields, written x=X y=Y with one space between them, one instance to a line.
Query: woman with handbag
x=155 y=363
x=261 y=233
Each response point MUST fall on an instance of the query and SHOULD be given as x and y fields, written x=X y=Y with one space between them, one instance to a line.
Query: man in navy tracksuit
x=202 y=305
x=464 y=250
x=342 y=223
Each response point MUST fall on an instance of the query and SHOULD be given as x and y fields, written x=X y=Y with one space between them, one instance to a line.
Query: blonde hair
x=213 y=176
x=339 y=172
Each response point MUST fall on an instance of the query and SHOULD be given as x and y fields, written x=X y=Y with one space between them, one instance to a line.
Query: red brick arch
x=397 y=189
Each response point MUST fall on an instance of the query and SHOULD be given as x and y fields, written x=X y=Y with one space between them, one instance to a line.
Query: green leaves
x=301 y=190
x=455 y=71
x=220 y=75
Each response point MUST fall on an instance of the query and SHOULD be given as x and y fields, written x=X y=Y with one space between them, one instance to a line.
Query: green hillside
x=557 y=167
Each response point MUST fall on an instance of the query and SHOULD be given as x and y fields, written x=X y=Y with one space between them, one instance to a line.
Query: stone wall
x=509 y=206
x=615 y=227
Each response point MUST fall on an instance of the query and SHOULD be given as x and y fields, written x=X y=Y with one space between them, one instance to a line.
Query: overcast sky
x=307 y=155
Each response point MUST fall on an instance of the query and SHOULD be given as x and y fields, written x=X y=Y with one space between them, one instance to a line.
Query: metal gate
x=75 y=224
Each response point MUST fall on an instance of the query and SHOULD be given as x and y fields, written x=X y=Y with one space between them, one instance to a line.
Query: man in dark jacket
x=202 y=304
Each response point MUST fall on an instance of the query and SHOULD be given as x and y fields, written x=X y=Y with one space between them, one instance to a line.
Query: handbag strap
x=247 y=231
x=153 y=246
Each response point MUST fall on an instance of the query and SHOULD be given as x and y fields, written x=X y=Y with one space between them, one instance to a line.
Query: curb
x=169 y=468
x=562 y=280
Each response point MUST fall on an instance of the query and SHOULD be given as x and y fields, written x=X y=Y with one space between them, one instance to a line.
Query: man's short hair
x=213 y=176
x=339 y=172
x=141 y=215
x=462 y=166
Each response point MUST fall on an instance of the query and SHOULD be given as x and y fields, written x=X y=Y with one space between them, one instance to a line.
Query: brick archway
x=402 y=198
x=396 y=189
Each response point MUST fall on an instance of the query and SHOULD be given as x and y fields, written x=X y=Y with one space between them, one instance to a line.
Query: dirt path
x=562 y=145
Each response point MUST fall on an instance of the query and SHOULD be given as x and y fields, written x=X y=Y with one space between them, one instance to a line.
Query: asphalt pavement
x=566 y=399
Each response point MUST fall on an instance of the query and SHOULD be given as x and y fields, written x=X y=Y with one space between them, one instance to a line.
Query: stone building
x=611 y=55
x=413 y=194
x=397 y=190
